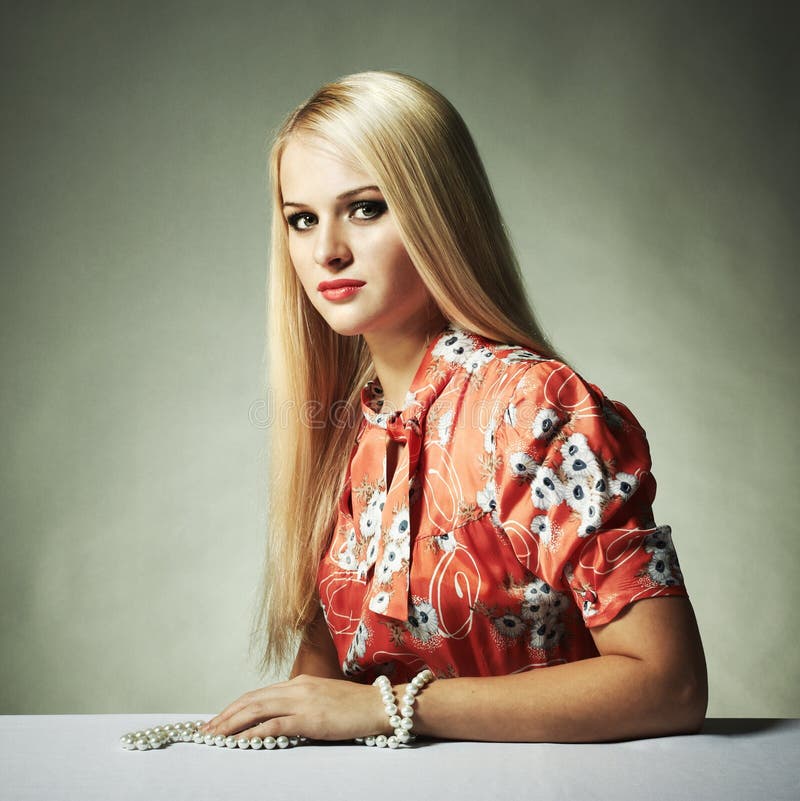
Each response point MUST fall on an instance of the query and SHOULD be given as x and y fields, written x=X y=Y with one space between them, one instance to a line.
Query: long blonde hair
x=427 y=166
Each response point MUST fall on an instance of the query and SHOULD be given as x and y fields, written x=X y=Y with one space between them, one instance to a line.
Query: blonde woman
x=448 y=498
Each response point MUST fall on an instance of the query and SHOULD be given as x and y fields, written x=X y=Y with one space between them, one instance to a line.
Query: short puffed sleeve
x=574 y=493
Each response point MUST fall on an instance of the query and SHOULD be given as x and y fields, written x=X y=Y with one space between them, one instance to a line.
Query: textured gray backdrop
x=645 y=157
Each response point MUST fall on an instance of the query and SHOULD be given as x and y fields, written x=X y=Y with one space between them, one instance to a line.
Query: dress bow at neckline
x=387 y=567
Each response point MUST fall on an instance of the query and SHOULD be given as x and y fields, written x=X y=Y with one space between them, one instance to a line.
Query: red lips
x=337 y=283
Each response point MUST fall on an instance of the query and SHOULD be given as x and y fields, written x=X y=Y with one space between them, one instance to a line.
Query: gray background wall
x=645 y=157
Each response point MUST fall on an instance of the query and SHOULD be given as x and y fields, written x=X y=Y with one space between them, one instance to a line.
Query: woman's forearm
x=605 y=698
x=649 y=680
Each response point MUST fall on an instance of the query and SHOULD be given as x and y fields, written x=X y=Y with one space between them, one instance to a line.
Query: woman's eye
x=301 y=221
x=368 y=209
x=362 y=210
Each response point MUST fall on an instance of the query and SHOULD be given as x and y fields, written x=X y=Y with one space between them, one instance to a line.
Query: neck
x=397 y=355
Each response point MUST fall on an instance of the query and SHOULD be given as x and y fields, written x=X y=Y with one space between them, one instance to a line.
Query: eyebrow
x=343 y=196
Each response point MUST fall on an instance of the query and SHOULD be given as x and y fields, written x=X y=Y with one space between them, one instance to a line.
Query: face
x=341 y=230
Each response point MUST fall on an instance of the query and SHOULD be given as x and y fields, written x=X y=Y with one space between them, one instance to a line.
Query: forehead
x=313 y=169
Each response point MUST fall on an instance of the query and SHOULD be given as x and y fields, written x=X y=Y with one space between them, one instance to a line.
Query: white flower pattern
x=546 y=489
x=522 y=465
x=455 y=347
x=509 y=626
x=423 y=622
x=541 y=525
x=545 y=424
x=624 y=484
x=478 y=359
x=663 y=567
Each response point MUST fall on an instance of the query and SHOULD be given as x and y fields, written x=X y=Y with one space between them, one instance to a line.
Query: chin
x=349 y=325
x=344 y=329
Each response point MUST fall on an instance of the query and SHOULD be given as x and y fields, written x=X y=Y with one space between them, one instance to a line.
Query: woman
x=445 y=492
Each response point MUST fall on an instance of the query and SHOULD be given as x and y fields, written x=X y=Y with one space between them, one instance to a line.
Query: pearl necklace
x=189 y=732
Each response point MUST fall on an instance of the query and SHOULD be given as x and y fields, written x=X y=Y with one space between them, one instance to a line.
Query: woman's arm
x=649 y=680
x=317 y=654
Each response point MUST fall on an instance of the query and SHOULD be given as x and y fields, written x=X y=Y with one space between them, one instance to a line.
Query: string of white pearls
x=189 y=732
x=403 y=722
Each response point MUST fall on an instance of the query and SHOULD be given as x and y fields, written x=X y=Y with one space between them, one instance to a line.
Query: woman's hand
x=314 y=707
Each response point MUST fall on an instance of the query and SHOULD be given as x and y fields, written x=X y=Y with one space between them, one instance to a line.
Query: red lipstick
x=339 y=288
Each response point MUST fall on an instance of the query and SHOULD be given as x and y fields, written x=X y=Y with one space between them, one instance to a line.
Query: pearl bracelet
x=189 y=732
x=401 y=723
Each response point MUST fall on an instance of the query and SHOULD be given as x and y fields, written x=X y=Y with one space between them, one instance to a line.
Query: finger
x=213 y=724
x=274 y=727
x=223 y=719
x=257 y=712
x=231 y=709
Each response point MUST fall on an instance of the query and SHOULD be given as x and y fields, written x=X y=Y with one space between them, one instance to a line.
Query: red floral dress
x=518 y=517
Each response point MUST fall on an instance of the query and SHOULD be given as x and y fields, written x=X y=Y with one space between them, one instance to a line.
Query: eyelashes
x=294 y=220
x=378 y=207
x=371 y=209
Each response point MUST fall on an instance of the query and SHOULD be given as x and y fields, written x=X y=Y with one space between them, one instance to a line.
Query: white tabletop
x=65 y=757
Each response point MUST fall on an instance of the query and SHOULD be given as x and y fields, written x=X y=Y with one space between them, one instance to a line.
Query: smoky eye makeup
x=301 y=221
x=372 y=209
x=364 y=210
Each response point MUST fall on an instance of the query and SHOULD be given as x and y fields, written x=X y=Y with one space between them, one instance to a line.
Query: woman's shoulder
x=522 y=385
x=494 y=368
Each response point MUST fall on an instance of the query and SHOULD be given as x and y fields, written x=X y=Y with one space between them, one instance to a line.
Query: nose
x=330 y=247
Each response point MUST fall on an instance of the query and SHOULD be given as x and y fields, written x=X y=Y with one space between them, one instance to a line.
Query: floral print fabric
x=518 y=517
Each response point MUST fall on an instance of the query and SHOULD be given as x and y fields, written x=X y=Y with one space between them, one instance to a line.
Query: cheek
x=299 y=259
x=294 y=251
x=400 y=267
x=408 y=280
